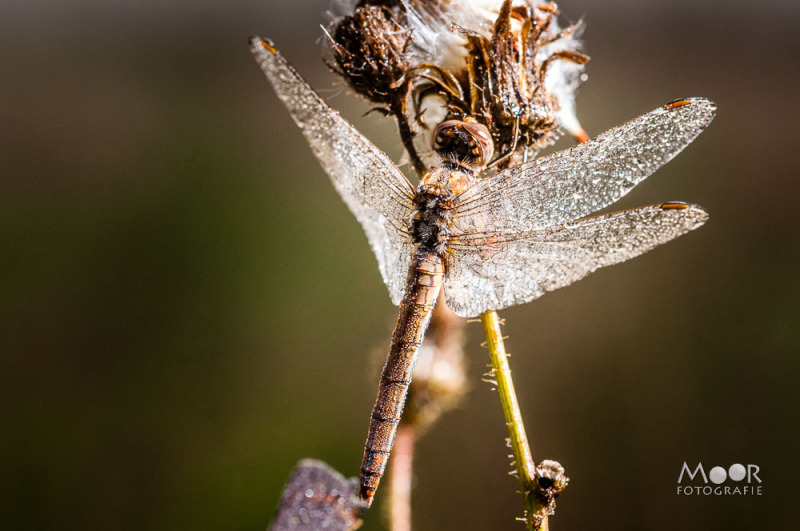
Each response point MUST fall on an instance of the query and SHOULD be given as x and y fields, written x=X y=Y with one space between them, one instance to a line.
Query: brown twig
x=398 y=107
x=401 y=477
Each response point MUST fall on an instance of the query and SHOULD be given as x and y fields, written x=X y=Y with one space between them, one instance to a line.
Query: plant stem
x=439 y=383
x=401 y=478
x=523 y=460
x=397 y=106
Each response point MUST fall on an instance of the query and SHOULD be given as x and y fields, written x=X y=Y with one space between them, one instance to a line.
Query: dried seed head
x=371 y=50
x=506 y=64
x=550 y=481
x=518 y=68
x=508 y=75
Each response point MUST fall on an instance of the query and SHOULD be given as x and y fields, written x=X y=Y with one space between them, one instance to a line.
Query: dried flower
x=519 y=77
x=506 y=64
x=371 y=50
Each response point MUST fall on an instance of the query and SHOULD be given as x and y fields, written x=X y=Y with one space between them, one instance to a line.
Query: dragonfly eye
x=465 y=143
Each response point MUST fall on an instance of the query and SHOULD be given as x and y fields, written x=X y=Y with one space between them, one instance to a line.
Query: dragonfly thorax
x=430 y=226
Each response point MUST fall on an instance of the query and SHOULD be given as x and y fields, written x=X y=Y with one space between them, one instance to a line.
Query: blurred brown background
x=179 y=322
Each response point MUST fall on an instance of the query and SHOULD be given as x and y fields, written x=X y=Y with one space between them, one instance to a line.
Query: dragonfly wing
x=374 y=189
x=576 y=182
x=495 y=271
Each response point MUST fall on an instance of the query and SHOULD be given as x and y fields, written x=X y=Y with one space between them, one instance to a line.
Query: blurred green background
x=180 y=321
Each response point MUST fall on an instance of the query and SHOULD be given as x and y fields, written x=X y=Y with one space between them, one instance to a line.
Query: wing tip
x=260 y=44
x=696 y=213
x=674 y=205
x=695 y=101
x=704 y=109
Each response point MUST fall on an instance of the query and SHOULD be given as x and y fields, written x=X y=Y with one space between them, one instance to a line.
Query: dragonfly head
x=468 y=144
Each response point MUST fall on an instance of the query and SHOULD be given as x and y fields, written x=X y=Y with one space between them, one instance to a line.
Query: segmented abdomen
x=425 y=278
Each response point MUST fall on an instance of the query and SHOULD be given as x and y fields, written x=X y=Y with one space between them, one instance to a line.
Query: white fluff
x=562 y=79
x=432 y=26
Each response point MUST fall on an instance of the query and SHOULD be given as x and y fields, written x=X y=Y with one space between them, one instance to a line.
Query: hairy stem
x=523 y=460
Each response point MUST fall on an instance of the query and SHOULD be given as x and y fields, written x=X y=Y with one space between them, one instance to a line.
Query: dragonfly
x=490 y=241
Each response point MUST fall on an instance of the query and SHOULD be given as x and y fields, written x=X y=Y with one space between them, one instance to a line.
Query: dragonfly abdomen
x=425 y=279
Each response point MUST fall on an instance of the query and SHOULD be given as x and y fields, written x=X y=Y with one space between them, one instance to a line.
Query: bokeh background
x=187 y=308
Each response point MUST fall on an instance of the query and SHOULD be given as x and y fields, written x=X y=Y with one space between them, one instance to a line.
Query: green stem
x=523 y=460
